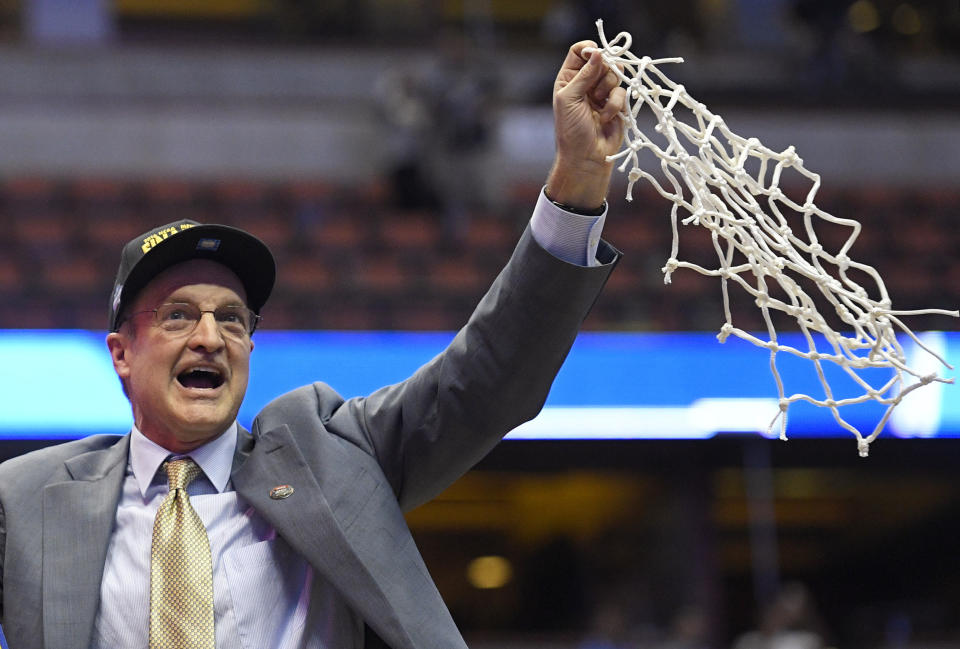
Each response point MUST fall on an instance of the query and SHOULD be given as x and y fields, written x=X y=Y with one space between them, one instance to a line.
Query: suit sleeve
x=430 y=429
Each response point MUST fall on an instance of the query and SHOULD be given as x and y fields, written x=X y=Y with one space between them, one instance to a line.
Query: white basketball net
x=757 y=250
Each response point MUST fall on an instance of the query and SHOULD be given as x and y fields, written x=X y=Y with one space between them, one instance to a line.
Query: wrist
x=581 y=189
x=579 y=211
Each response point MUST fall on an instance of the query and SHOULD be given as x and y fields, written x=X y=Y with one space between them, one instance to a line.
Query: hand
x=587 y=99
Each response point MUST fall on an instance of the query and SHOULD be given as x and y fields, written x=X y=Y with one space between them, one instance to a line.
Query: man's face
x=185 y=388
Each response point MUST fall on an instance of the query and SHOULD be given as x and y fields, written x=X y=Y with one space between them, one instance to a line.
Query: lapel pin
x=281 y=491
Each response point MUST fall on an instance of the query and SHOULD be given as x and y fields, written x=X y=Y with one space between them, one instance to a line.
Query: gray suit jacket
x=355 y=466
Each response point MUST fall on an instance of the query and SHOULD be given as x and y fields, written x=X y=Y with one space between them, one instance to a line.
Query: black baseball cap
x=147 y=255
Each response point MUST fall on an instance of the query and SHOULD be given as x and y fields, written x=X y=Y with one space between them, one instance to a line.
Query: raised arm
x=426 y=431
x=497 y=372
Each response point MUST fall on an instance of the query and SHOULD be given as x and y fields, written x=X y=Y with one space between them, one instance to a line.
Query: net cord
x=756 y=247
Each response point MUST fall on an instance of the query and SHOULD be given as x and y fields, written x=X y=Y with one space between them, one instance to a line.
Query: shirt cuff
x=570 y=237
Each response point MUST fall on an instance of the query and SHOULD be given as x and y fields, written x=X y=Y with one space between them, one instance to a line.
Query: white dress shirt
x=265 y=595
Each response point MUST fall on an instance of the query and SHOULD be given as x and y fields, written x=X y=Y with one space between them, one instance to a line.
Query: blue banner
x=61 y=384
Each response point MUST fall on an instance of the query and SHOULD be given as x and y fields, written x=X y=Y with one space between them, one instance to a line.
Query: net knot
x=694 y=218
x=725 y=332
x=878 y=314
x=671 y=265
x=816 y=248
x=827 y=282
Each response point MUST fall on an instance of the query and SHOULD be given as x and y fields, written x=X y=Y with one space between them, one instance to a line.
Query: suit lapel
x=306 y=521
x=78 y=518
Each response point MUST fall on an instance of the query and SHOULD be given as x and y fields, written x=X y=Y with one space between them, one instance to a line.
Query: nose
x=207 y=334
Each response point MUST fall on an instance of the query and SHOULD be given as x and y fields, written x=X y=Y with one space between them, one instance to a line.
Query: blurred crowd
x=389 y=260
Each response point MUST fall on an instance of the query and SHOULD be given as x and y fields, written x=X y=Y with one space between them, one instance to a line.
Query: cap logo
x=208 y=245
x=156 y=238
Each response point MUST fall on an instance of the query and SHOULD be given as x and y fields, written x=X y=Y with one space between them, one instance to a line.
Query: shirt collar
x=215 y=458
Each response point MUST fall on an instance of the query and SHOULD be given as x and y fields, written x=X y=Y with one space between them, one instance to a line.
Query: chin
x=205 y=422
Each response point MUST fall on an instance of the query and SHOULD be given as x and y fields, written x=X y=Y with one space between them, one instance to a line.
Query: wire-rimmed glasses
x=181 y=318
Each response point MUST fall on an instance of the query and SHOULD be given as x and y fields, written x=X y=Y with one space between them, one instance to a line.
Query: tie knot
x=181 y=472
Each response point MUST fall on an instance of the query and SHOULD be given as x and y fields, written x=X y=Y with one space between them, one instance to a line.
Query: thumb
x=589 y=74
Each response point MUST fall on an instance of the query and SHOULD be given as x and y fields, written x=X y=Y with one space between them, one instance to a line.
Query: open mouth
x=201 y=378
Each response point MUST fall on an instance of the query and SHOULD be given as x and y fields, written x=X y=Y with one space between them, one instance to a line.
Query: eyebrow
x=190 y=303
x=172 y=299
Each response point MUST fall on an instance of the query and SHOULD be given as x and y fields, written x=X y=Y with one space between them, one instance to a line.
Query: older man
x=193 y=532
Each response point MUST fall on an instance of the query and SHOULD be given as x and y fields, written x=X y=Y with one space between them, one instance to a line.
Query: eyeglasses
x=180 y=318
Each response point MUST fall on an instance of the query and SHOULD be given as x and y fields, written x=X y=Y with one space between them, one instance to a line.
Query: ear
x=119 y=344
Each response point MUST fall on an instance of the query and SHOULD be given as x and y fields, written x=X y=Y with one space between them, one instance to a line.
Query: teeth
x=205 y=370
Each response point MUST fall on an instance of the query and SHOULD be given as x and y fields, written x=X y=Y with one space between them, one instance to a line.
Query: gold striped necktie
x=181 y=573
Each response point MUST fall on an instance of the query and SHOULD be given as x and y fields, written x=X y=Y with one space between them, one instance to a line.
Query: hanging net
x=766 y=243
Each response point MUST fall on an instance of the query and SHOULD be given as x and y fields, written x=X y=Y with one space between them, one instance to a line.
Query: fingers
x=587 y=75
x=579 y=73
x=614 y=106
x=587 y=78
x=601 y=92
x=576 y=57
